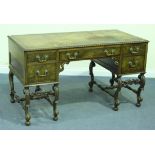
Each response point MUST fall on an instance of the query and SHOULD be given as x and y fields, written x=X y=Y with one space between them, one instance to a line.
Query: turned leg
x=141 y=77
x=112 y=80
x=55 y=102
x=116 y=96
x=37 y=89
x=26 y=106
x=91 y=83
x=12 y=91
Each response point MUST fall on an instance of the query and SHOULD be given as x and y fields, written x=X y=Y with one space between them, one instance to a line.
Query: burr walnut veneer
x=38 y=59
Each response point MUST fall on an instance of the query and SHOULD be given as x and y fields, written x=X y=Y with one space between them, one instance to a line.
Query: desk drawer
x=134 y=49
x=41 y=73
x=89 y=53
x=133 y=64
x=41 y=56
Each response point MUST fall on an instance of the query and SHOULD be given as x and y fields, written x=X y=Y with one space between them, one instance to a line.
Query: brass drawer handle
x=116 y=61
x=72 y=56
x=42 y=75
x=134 y=51
x=133 y=64
x=42 y=59
x=109 y=53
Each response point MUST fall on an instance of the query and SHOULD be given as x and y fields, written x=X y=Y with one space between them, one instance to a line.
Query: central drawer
x=41 y=73
x=88 y=53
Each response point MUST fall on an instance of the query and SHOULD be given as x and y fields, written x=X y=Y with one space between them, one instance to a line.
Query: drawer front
x=134 y=49
x=133 y=64
x=91 y=53
x=41 y=73
x=41 y=56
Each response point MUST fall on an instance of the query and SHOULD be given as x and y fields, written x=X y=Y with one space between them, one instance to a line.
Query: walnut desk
x=38 y=59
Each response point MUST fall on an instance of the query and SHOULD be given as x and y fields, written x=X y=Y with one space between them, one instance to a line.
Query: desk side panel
x=146 y=53
x=16 y=60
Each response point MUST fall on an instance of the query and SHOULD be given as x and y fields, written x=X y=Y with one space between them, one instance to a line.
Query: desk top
x=74 y=39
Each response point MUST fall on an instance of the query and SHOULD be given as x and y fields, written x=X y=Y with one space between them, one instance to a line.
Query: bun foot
x=55 y=118
x=115 y=108
x=12 y=100
x=27 y=120
x=28 y=123
x=138 y=105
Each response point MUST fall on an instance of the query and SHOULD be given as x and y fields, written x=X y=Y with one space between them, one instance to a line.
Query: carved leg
x=141 y=87
x=112 y=80
x=55 y=102
x=37 y=89
x=26 y=106
x=116 y=96
x=91 y=83
x=12 y=91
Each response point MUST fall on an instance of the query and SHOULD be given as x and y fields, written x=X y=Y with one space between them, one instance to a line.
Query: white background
x=77 y=12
